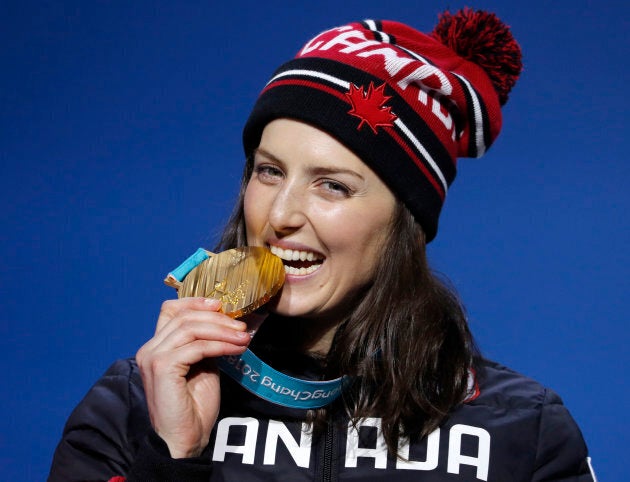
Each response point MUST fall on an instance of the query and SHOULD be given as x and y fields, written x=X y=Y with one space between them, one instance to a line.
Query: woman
x=351 y=149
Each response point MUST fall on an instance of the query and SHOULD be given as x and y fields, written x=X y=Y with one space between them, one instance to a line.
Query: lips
x=298 y=262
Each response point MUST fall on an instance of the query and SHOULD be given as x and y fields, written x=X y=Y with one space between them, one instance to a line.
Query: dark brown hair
x=406 y=344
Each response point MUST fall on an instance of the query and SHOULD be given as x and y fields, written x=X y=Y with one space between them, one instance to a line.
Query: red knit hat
x=406 y=103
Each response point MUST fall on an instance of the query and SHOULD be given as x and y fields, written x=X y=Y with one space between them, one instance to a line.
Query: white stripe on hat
x=312 y=73
x=372 y=26
x=414 y=140
x=479 y=139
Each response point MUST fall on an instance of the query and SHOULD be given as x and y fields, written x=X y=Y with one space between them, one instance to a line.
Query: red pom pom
x=482 y=38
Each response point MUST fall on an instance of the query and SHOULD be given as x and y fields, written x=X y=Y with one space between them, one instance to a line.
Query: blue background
x=120 y=155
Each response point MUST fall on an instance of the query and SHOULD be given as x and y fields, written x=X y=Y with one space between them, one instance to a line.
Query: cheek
x=361 y=233
x=374 y=228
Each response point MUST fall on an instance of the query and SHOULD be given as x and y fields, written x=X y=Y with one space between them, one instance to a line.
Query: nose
x=287 y=213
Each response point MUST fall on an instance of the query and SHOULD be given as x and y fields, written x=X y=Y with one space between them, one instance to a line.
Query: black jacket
x=514 y=430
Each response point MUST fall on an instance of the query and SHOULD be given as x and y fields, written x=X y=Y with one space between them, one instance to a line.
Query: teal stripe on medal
x=191 y=263
x=276 y=387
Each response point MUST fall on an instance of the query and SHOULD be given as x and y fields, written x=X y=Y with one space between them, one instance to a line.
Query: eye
x=336 y=188
x=268 y=173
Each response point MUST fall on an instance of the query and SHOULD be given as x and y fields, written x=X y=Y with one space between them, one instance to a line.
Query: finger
x=197 y=326
x=172 y=308
x=188 y=329
x=189 y=332
x=197 y=310
x=162 y=368
x=191 y=354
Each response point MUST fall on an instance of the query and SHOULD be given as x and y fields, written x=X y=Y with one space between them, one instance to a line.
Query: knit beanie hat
x=406 y=103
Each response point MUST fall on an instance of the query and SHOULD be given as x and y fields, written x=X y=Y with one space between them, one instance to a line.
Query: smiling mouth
x=298 y=262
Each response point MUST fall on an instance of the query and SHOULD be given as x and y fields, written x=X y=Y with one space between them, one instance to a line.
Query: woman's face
x=323 y=211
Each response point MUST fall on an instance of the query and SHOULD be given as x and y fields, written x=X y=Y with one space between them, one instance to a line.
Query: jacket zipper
x=328 y=461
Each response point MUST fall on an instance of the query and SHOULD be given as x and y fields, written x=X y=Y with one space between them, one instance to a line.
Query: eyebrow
x=321 y=170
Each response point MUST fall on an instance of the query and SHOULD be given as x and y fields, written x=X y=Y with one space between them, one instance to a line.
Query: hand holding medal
x=244 y=279
x=178 y=364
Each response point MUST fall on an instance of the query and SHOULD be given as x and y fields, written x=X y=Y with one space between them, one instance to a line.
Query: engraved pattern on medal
x=229 y=297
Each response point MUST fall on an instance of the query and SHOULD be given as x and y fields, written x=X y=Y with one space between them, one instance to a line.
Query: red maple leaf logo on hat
x=369 y=106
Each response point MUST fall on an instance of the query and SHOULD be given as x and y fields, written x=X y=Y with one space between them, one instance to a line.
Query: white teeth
x=301 y=271
x=296 y=255
x=293 y=255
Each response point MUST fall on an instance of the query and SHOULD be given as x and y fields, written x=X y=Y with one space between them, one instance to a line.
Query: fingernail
x=211 y=302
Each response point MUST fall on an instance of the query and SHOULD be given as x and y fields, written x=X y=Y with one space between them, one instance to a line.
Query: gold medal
x=243 y=279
